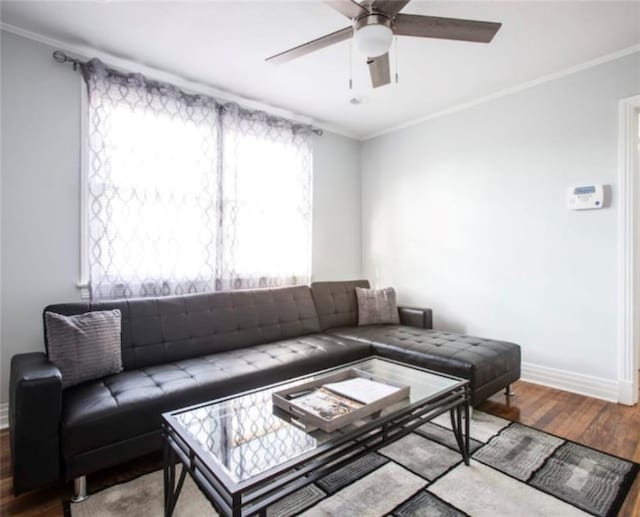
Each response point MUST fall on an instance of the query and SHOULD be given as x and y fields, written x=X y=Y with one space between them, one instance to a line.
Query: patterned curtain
x=266 y=206
x=189 y=195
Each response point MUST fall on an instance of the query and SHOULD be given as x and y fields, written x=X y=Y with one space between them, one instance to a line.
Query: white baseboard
x=4 y=415
x=588 y=385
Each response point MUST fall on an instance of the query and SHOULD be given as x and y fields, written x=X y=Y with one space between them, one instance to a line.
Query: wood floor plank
x=631 y=507
x=606 y=426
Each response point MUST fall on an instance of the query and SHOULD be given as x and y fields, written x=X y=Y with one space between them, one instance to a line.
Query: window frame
x=84 y=280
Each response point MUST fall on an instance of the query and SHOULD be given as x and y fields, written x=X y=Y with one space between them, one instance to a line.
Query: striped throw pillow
x=377 y=306
x=85 y=346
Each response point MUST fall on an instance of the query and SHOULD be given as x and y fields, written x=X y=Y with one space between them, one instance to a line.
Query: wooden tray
x=309 y=419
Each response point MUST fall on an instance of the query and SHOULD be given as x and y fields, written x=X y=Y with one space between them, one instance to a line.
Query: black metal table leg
x=462 y=437
x=178 y=489
x=171 y=489
x=169 y=476
x=467 y=430
x=455 y=427
x=236 y=507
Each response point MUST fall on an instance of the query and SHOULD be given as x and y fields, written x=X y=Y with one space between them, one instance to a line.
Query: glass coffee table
x=245 y=454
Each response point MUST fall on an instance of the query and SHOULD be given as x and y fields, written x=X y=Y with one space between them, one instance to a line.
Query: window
x=188 y=195
x=266 y=203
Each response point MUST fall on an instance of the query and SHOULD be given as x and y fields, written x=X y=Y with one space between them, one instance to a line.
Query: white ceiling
x=224 y=44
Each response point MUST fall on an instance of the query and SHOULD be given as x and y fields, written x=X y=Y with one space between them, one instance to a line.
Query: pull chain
x=397 y=63
x=351 y=64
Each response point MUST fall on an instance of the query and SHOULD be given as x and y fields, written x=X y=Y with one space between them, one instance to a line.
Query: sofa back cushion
x=160 y=330
x=336 y=302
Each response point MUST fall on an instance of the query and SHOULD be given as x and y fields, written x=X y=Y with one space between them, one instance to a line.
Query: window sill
x=84 y=290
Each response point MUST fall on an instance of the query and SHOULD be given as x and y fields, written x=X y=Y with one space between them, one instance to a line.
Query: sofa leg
x=79 y=489
x=508 y=391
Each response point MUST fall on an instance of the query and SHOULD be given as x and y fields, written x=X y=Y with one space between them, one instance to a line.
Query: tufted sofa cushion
x=162 y=330
x=336 y=302
x=130 y=404
x=482 y=361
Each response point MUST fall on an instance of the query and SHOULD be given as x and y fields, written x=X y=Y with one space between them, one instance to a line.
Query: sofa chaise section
x=489 y=365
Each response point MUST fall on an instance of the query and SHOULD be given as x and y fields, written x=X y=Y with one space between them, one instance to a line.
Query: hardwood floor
x=603 y=425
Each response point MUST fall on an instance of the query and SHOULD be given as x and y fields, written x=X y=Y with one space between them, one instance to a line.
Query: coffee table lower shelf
x=253 y=498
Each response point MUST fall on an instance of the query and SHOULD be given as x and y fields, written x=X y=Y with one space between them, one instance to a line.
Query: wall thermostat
x=585 y=197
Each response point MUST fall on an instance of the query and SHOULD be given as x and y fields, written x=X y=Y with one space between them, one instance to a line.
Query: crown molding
x=508 y=91
x=125 y=64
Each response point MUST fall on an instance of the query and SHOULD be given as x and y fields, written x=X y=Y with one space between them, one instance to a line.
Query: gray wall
x=336 y=211
x=40 y=192
x=40 y=196
x=466 y=213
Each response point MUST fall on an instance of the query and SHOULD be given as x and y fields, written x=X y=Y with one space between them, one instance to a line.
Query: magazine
x=327 y=405
x=361 y=389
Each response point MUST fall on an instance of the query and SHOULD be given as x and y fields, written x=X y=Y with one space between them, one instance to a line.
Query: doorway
x=629 y=252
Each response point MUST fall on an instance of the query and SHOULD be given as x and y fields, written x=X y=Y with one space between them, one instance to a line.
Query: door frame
x=628 y=251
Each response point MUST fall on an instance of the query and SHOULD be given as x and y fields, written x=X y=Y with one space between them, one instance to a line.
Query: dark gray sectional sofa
x=182 y=350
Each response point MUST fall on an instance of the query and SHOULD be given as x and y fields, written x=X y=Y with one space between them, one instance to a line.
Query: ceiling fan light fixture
x=373 y=35
x=374 y=25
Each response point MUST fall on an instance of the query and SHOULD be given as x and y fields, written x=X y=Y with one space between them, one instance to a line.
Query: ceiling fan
x=375 y=22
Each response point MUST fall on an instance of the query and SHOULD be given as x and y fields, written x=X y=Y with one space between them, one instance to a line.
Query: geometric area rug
x=515 y=470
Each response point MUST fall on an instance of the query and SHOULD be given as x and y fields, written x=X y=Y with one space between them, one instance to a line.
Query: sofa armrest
x=35 y=413
x=422 y=318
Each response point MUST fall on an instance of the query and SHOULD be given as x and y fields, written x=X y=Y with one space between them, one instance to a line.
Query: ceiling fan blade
x=389 y=7
x=445 y=28
x=311 y=46
x=349 y=8
x=379 y=70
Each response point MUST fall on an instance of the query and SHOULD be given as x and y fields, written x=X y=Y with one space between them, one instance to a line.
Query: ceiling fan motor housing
x=373 y=34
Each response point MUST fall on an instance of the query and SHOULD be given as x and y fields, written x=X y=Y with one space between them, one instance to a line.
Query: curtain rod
x=60 y=57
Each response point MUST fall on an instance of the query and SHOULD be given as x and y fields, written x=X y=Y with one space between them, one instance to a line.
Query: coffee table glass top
x=247 y=436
